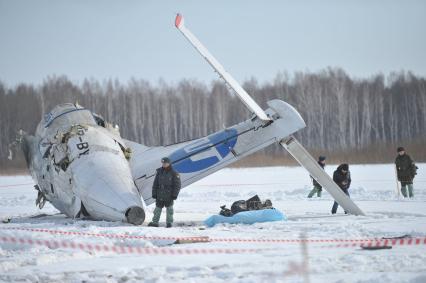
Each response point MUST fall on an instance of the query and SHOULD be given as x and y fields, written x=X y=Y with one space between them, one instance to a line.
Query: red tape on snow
x=198 y=238
x=345 y=242
x=88 y=247
x=54 y=244
x=383 y=243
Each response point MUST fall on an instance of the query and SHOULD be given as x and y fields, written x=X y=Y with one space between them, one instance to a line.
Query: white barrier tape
x=88 y=247
x=349 y=242
x=119 y=249
x=383 y=243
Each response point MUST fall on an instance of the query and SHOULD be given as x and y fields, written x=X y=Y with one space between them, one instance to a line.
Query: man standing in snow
x=165 y=190
x=317 y=187
x=406 y=170
x=342 y=177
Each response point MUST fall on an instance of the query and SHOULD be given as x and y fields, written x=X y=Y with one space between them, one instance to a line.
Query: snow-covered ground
x=373 y=189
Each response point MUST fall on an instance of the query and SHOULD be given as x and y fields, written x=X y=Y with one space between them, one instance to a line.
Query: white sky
x=124 y=39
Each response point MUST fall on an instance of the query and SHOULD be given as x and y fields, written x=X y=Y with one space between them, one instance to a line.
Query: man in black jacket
x=406 y=170
x=342 y=177
x=165 y=190
x=317 y=187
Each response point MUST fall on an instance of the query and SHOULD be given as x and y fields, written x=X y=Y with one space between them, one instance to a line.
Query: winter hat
x=321 y=158
x=165 y=160
x=345 y=167
x=400 y=149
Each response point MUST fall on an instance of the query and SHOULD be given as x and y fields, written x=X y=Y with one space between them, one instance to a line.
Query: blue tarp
x=247 y=217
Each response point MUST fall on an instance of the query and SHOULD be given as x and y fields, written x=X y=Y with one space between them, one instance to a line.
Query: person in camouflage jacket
x=165 y=191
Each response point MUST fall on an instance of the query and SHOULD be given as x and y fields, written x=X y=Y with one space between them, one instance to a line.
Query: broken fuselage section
x=80 y=165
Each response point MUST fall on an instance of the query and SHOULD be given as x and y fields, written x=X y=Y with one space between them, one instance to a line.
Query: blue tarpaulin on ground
x=247 y=217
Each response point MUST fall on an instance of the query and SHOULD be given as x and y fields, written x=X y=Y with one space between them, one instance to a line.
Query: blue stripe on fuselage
x=221 y=142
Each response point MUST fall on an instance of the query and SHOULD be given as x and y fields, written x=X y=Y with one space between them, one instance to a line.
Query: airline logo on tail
x=204 y=153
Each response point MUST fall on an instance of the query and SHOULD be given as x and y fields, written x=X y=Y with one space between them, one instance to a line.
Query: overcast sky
x=124 y=39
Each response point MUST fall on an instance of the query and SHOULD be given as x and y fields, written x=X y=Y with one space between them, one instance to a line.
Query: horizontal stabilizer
x=310 y=164
x=232 y=83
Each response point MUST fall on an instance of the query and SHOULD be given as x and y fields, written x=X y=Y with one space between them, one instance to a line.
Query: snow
x=373 y=189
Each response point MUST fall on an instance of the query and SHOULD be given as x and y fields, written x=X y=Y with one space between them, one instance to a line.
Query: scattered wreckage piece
x=201 y=239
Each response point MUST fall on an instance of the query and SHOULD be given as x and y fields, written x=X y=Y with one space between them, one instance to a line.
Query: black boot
x=153 y=224
x=169 y=225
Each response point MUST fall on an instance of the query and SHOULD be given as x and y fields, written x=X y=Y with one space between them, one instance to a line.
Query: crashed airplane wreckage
x=84 y=168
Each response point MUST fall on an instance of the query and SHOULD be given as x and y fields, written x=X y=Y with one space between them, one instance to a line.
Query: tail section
x=199 y=158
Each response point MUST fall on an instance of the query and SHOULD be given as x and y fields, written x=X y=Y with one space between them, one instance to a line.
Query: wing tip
x=179 y=20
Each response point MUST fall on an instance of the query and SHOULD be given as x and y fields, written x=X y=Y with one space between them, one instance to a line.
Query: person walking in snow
x=317 y=189
x=165 y=190
x=342 y=177
x=406 y=170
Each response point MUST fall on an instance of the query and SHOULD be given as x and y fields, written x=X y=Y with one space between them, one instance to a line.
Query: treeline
x=342 y=114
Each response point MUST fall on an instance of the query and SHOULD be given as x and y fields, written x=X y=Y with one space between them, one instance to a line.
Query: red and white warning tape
x=104 y=235
x=383 y=243
x=197 y=238
x=89 y=247
x=54 y=244
x=344 y=242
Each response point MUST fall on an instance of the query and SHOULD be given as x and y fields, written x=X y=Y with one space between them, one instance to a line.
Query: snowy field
x=373 y=189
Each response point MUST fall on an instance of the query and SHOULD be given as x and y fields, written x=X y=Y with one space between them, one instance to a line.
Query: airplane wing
x=230 y=81
x=311 y=165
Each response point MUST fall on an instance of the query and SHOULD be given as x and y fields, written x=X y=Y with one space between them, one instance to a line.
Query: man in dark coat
x=406 y=170
x=342 y=177
x=317 y=187
x=165 y=190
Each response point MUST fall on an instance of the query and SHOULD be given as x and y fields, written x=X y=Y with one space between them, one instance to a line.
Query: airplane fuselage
x=81 y=167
